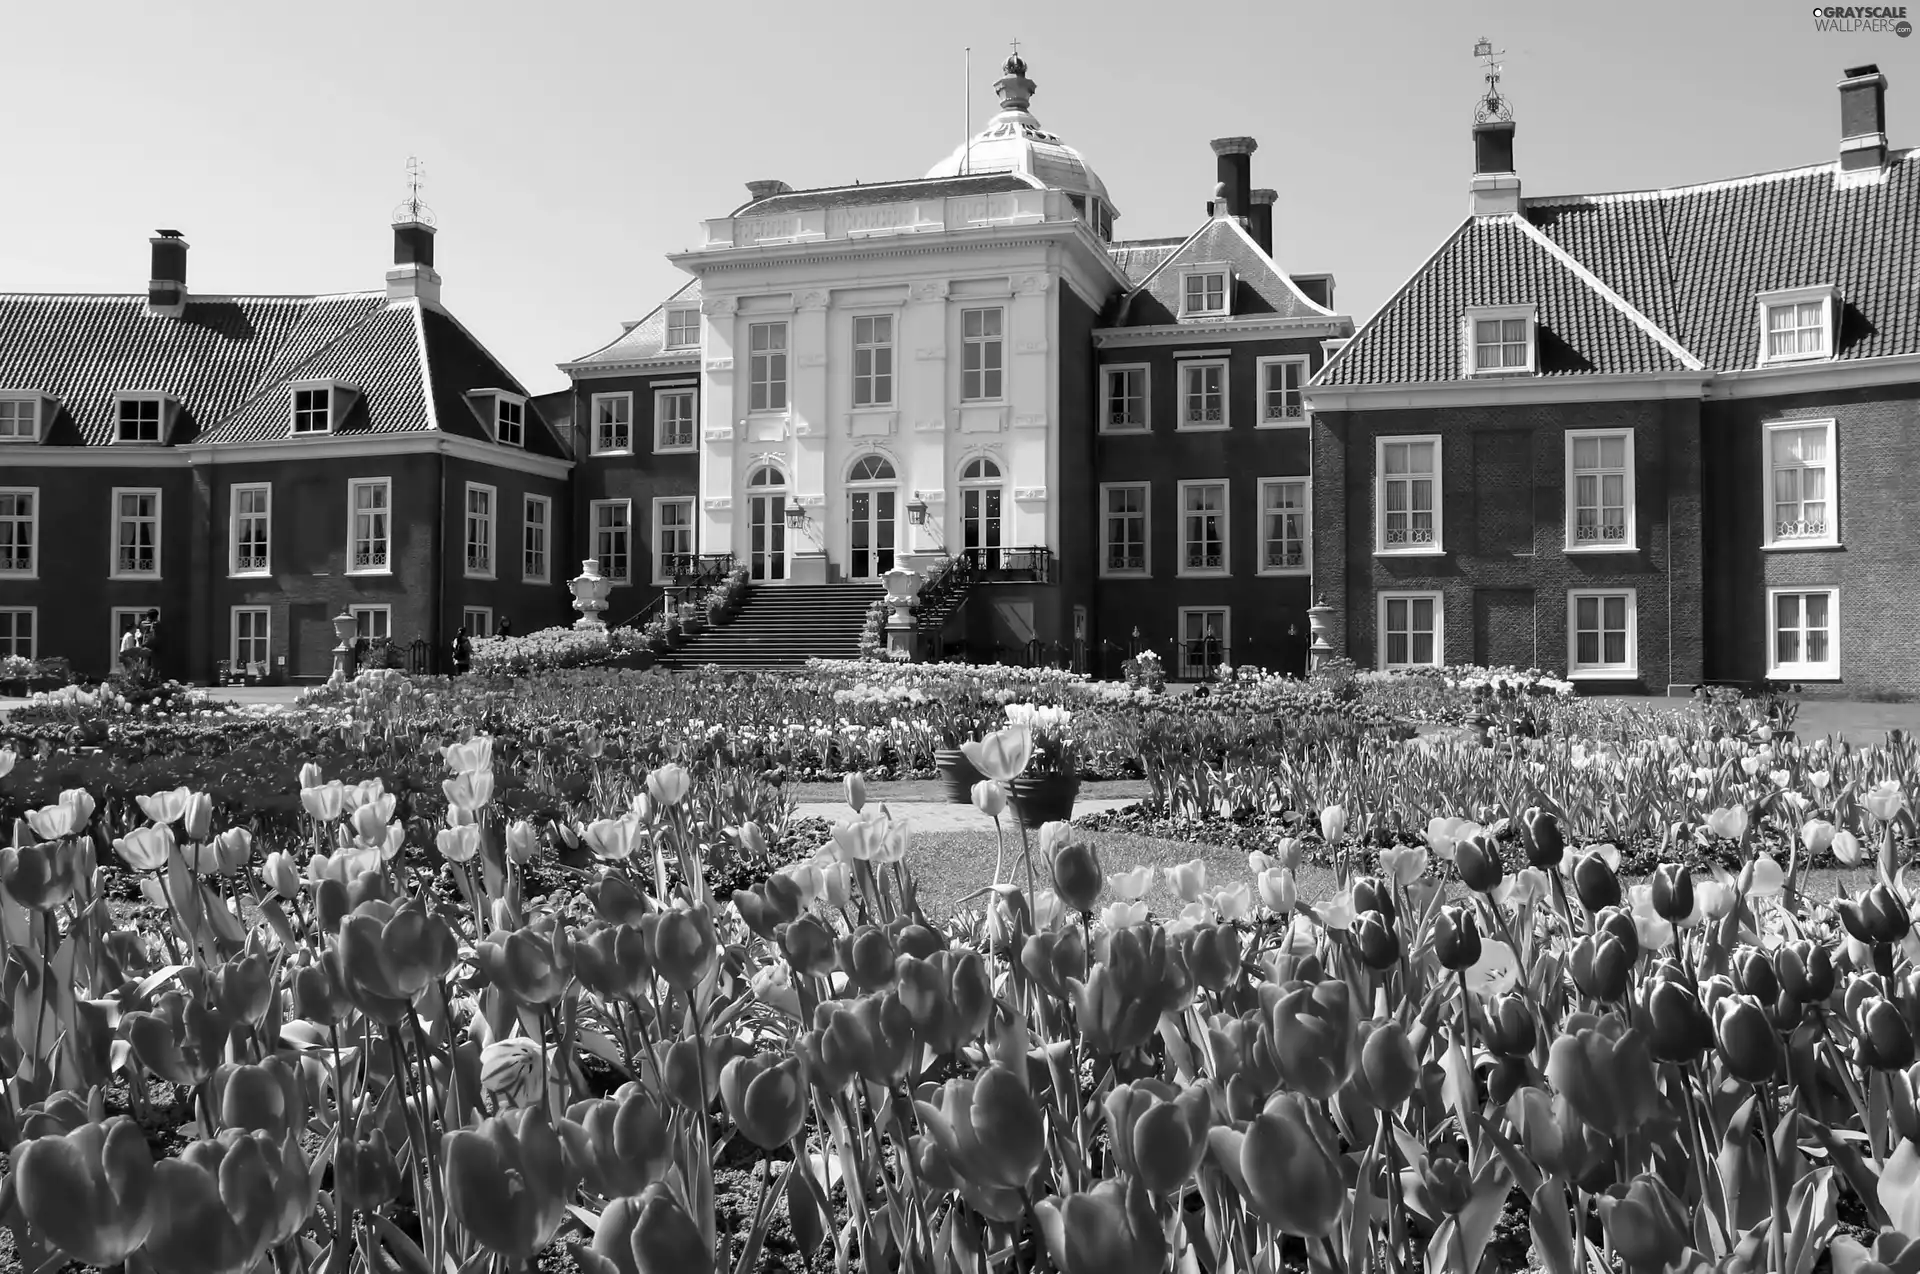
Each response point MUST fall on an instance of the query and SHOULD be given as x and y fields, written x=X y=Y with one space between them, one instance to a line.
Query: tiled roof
x=1259 y=287
x=379 y=356
x=885 y=192
x=1141 y=257
x=459 y=366
x=648 y=337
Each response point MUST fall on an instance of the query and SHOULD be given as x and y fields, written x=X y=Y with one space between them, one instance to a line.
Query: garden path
x=938 y=816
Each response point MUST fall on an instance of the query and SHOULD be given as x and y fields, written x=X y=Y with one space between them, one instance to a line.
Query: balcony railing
x=369 y=559
x=1805 y=530
x=1126 y=560
x=479 y=561
x=250 y=562
x=686 y=569
x=1282 y=557
x=1284 y=411
x=1600 y=534
x=1031 y=565
x=1400 y=536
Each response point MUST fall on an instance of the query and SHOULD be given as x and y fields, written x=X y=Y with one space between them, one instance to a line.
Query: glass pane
x=1423 y=614
x=1586 y=614
x=1586 y=453
x=1616 y=648
x=1587 y=648
x=1420 y=457
x=1615 y=609
x=1817 y=616
x=1396 y=615
x=1422 y=648
x=1613 y=452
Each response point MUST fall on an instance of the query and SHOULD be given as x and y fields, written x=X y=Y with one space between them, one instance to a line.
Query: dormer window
x=1796 y=326
x=19 y=419
x=1500 y=341
x=313 y=410
x=683 y=327
x=141 y=418
x=510 y=421
x=1204 y=292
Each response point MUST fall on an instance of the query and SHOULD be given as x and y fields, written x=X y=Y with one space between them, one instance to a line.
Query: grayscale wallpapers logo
x=1850 y=18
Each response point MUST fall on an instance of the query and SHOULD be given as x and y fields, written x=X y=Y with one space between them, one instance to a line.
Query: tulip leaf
x=1899 y=1189
x=411 y=1259
x=1853 y=1165
x=1550 y=1225
x=1813 y=1210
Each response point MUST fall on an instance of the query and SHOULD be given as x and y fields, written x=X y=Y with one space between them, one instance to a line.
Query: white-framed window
x=1600 y=504
x=138 y=417
x=1500 y=340
x=766 y=367
x=672 y=534
x=477 y=620
x=313 y=410
x=1803 y=626
x=136 y=533
x=374 y=623
x=369 y=526
x=18 y=627
x=873 y=360
x=1125 y=510
x=673 y=420
x=252 y=639
x=683 y=327
x=1123 y=399
x=1203 y=394
x=612 y=423
x=1282 y=399
x=510 y=420
x=1796 y=325
x=1801 y=487
x=1203 y=528
x=480 y=541
x=19 y=532
x=983 y=354
x=1602 y=637
x=19 y=419
x=1407 y=493
x=1205 y=638
x=536 y=523
x=250 y=523
x=611 y=525
x=1206 y=291
x=1286 y=544
x=1412 y=630
x=125 y=619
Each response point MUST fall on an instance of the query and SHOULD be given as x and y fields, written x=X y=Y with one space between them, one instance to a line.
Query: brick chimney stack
x=167 y=288
x=1496 y=187
x=1261 y=217
x=767 y=189
x=1863 y=118
x=1236 y=171
x=413 y=276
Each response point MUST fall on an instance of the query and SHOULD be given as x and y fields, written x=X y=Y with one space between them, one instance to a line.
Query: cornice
x=1263 y=329
x=328 y=448
x=1816 y=378
x=631 y=366
x=1506 y=392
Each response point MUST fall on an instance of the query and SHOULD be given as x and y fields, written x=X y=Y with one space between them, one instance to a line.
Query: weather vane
x=1493 y=106
x=413 y=209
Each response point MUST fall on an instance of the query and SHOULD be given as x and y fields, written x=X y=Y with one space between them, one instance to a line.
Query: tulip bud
x=1884 y=1041
x=1387 y=1063
x=1847 y=849
x=281 y=875
x=1601 y=966
x=198 y=816
x=1370 y=893
x=1806 y=971
x=1314 y=1037
x=1448 y=1184
x=856 y=792
x=1754 y=974
x=91 y=1192
x=1595 y=882
x=1510 y=1030
x=1456 y=939
x=1213 y=955
x=990 y=798
x=1292 y=1178
x=1748 y=1044
x=1672 y=891
x=1546 y=844
x=664 y=1239
x=684 y=945
x=1876 y=917
x=766 y=1097
x=522 y=841
x=1647 y=1226
x=1478 y=861
x=1333 y=823
x=1377 y=940
x=1076 y=873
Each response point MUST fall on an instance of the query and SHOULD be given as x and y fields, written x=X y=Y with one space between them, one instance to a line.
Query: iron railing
x=1026 y=565
x=697 y=569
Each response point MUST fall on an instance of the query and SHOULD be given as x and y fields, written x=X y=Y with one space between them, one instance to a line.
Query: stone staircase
x=781 y=626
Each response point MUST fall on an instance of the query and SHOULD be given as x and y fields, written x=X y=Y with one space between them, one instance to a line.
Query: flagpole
x=966 y=116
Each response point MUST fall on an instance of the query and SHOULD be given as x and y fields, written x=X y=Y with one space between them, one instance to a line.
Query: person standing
x=462 y=653
x=506 y=627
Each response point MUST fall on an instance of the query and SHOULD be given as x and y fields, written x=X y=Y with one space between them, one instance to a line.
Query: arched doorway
x=980 y=500
x=767 y=517
x=872 y=509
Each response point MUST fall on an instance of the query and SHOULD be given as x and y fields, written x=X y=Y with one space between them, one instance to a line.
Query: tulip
x=50 y=822
x=1456 y=938
x=1817 y=835
x=523 y=964
x=1292 y=1176
x=685 y=948
x=1388 y=1064
x=990 y=798
x=1714 y=900
x=1370 y=893
x=1847 y=848
x=989 y=1126
x=1806 y=971
x=1555 y=1137
x=1404 y=865
x=310 y=776
x=767 y=1098
x=223 y=1203
x=1546 y=844
x=1314 y=1037
x=1749 y=1046
x=458 y=844
x=613 y=962
x=1876 y=917
x=42 y=876
x=1678 y=1028
x=657 y=1233
x=1496 y=972
x=1646 y=1225
x=1601 y=965
x=1605 y=1069
x=668 y=786
x=1509 y=1029
x=1885 y=800
x=1333 y=823
x=1278 y=890
x=365 y=1173
x=1110 y=1229
x=1754 y=974
x=77 y=800
x=90 y=1192
x=324 y=802
x=165 y=807
x=1213 y=955
x=508 y=1181
x=1377 y=940
x=856 y=791
x=1728 y=822
x=808 y=946
x=197 y=816
x=1158 y=1136
x=146 y=848
x=1595 y=882
x=1055 y=960
x=470 y=791
x=1883 y=1040
x=1188 y=879
x=475 y=754
x=1002 y=755
x=1672 y=892
x=1478 y=861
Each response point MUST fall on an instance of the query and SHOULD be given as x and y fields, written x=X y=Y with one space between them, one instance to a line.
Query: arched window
x=980 y=470
x=871 y=469
x=766 y=476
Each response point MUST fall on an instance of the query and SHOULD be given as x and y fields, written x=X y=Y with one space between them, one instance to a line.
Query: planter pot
x=958 y=774
x=718 y=617
x=1045 y=798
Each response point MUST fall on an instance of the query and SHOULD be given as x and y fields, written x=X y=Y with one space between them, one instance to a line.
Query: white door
x=769 y=557
x=871 y=535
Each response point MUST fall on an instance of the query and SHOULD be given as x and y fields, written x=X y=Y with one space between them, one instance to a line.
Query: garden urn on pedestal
x=1318 y=616
x=590 y=589
x=344 y=625
x=903 y=586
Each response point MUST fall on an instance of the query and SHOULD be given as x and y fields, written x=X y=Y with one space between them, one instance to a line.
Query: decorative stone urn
x=344 y=626
x=590 y=590
x=903 y=586
x=1318 y=616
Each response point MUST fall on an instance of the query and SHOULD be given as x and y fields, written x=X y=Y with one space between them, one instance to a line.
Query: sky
x=569 y=146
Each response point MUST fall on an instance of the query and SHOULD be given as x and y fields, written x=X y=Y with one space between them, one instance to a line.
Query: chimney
x=767 y=189
x=1236 y=170
x=1261 y=214
x=167 y=288
x=1863 y=118
x=413 y=277
x=1496 y=187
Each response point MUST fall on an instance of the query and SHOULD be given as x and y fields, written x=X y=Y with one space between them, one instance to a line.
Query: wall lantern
x=796 y=517
x=917 y=513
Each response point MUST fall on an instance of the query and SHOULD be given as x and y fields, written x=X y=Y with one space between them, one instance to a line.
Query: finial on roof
x=1015 y=89
x=413 y=211
x=1016 y=65
x=1492 y=105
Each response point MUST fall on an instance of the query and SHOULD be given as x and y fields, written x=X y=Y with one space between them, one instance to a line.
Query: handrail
x=658 y=603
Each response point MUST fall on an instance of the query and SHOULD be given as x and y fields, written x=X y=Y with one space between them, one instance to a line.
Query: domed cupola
x=1014 y=142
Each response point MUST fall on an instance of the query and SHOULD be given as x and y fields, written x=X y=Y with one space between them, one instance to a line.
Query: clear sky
x=569 y=146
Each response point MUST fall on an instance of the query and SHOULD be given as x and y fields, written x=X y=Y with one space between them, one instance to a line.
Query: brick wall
x=640 y=476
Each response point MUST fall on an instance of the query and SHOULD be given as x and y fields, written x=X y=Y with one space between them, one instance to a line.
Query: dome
x=1014 y=142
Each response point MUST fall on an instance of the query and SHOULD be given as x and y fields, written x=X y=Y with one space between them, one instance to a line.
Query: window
x=672 y=535
x=1600 y=634
x=510 y=420
x=1806 y=638
x=983 y=354
x=139 y=419
x=1800 y=485
x=19 y=531
x=1599 y=490
x=536 y=525
x=312 y=411
x=872 y=469
x=1203 y=528
x=1797 y=325
x=251 y=518
x=673 y=420
x=372 y=623
x=19 y=419
x=370 y=502
x=1408 y=494
x=1283 y=526
x=613 y=538
x=1281 y=383
x=1410 y=630
x=767 y=366
x=612 y=423
x=1500 y=341
x=251 y=632
x=17 y=631
x=479 y=531
x=477 y=620
x=873 y=360
x=125 y=619
x=1124 y=528
x=1203 y=292
x=1124 y=394
x=136 y=533
x=1203 y=395
x=1203 y=641
x=683 y=327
